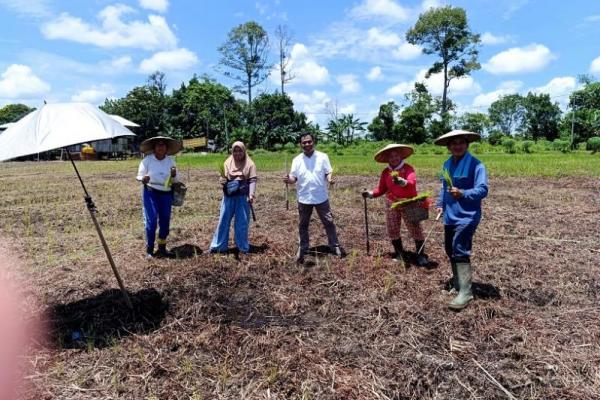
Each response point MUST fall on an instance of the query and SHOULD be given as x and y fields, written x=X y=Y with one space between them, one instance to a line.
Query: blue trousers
x=157 y=211
x=238 y=207
x=458 y=240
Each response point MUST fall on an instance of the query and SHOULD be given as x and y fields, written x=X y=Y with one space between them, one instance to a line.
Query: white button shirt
x=311 y=174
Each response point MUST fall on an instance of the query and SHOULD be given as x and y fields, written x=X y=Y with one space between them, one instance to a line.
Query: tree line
x=205 y=107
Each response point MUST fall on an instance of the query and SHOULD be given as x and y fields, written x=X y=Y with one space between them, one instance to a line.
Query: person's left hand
x=331 y=179
x=251 y=199
x=173 y=172
x=455 y=192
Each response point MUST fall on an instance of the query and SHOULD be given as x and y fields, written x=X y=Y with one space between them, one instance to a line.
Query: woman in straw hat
x=398 y=181
x=460 y=201
x=239 y=185
x=157 y=172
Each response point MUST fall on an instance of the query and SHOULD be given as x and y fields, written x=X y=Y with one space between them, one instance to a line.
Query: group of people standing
x=459 y=200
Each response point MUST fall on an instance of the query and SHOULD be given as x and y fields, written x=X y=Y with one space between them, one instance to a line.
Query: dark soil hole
x=102 y=320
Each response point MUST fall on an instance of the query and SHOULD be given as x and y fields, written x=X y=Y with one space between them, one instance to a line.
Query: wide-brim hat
x=173 y=146
x=447 y=137
x=383 y=154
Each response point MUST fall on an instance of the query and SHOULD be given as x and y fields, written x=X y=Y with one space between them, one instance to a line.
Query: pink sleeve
x=411 y=176
x=381 y=189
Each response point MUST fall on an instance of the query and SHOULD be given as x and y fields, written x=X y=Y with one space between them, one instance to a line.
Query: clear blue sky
x=349 y=55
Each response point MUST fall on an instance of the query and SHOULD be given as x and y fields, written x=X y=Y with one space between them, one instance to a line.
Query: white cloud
x=559 y=86
x=375 y=37
x=155 y=5
x=94 y=95
x=121 y=62
x=592 y=18
x=29 y=8
x=172 y=60
x=427 y=4
x=349 y=83
x=303 y=68
x=388 y=9
x=19 y=82
x=375 y=74
x=113 y=30
x=505 y=88
x=347 y=109
x=314 y=104
x=595 y=66
x=488 y=38
x=458 y=86
x=407 y=51
x=519 y=60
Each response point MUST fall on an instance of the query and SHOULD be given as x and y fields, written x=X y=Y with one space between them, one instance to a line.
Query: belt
x=146 y=187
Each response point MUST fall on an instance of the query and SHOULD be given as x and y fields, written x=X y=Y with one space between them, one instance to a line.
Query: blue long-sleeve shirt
x=467 y=209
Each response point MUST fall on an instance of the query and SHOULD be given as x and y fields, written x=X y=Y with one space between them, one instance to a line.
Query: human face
x=394 y=158
x=308 y=145
x=458 y=147
x=238 y=153
x=160 y=149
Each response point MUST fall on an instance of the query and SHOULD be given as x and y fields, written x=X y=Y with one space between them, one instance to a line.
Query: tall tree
x=284 y=39
x=507 y=113
x=584 y=118
x=473 y=122
x=416 y=117
x=444 y=32
x=541 y=117
x=275 y=120
x=14 y=112
x=382 y=126
x=246 y=53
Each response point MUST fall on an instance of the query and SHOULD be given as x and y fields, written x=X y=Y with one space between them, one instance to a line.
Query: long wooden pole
x=92 y=209
x=367 y=227
x=287 y=187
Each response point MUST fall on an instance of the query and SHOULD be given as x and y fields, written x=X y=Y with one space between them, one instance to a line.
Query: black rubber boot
x=422 y=260
x=149 y=252
x=163 y=252
x=399 y=253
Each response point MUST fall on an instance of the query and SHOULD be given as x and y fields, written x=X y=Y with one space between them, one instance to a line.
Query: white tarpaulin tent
x=55 y=126
x=123 y=121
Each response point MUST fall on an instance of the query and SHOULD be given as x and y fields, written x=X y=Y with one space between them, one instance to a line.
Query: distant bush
x=527 y=146
x=509 y=145
x=593 y=144
x=561 y=145
x=495 y=137
x=476 y=148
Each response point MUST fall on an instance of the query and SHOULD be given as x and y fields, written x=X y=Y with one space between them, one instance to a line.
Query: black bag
x=236 y=187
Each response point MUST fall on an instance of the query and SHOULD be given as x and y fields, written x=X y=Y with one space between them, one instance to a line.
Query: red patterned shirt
x=394 y=190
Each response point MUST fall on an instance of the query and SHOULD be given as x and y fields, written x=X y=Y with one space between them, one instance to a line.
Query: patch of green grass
x=550 y=164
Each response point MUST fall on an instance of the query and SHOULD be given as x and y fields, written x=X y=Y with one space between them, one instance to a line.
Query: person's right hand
x=146 y=179
x=222 y=180
x=439 y=210
x=288 y=179
x=367 y=194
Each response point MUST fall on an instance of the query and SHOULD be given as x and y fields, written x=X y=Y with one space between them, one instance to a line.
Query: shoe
x=465 y=294
x=399 y=253
x=163 y=252
x=149 y=252
x=339 y=251
x=422 y=260
x=149 y=256
x=300 y=256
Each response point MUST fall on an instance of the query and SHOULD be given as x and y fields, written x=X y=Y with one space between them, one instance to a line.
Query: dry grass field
x=261 y=327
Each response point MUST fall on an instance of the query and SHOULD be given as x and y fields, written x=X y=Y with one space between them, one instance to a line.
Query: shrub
x=561 y=145
x=527 y=146
x=476 y=148
x=593 y=144
x=509 y=145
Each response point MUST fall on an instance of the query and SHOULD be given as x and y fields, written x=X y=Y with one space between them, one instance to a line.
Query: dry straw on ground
x=214 y=327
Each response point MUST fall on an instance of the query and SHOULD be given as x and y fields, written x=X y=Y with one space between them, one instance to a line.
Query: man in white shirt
x=311 y=172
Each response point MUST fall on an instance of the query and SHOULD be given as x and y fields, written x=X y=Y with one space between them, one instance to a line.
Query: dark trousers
x=324 y=212
x=458 y=240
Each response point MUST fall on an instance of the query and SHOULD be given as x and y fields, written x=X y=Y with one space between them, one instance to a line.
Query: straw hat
x=445 y=138
x=404 y=150
x=173 y=146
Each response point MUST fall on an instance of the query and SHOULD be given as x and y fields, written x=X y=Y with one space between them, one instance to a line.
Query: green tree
x=541 y=118
x=284 y=39
x=474 y=122
x=246 y=53
x=205 y=108
x=344 y=129
x=14 y=112
x=416 y=118
x=275 y=120
x=144 y=105
x=444 y=32
x=382 y=126
x=584 y=117
x=507 y=114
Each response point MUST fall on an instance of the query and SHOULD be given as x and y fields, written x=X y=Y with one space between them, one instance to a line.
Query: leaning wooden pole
x=92 y=209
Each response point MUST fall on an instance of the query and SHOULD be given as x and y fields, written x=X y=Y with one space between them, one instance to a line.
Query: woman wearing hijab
x=239 y=186
x=398 y=181
x=157 y=172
